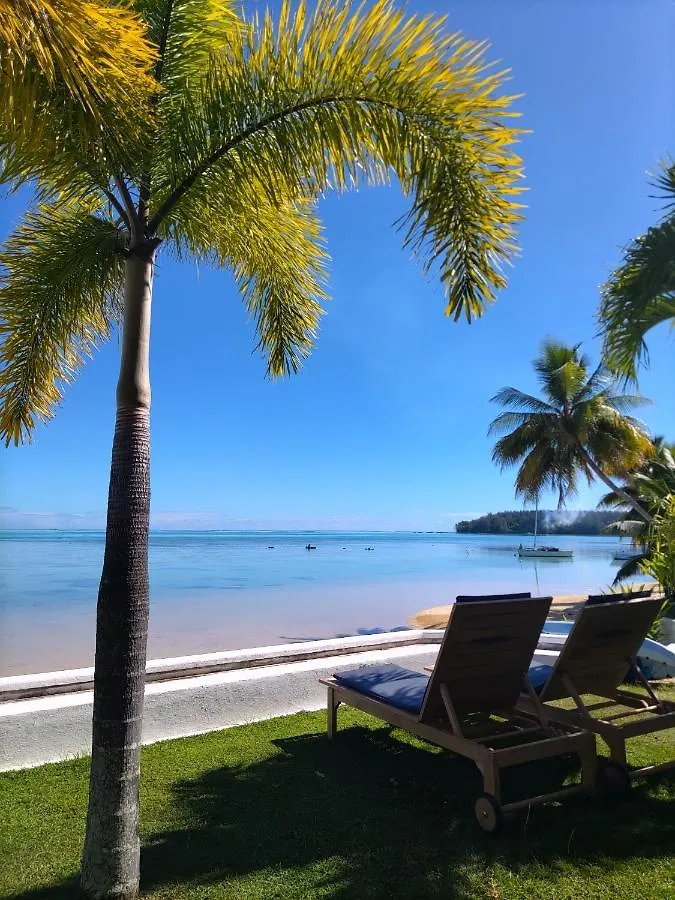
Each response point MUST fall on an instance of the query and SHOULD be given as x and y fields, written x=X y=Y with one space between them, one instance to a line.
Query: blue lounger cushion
x=392 y=684
x=538 y=676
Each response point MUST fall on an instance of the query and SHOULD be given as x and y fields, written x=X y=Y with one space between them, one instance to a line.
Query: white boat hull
x=656 y=660
x=533 y=553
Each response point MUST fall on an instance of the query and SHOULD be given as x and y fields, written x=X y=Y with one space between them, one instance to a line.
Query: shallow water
x=221 y=590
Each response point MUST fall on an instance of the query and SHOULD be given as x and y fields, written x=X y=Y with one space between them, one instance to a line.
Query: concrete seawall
x=47 y=717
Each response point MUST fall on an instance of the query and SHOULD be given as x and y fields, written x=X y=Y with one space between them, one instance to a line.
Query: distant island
x=521 y=521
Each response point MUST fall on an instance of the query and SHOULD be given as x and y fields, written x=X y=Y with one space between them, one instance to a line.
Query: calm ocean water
x=221 y=590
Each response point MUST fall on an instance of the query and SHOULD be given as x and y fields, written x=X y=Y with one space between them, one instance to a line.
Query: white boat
x=656 y=660
x=543 y=551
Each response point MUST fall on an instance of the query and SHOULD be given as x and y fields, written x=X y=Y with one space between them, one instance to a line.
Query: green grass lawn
x=275 y=810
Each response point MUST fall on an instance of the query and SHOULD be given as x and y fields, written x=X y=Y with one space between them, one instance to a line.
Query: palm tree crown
x=640 y=293
x=250 y=124
x=579 y=428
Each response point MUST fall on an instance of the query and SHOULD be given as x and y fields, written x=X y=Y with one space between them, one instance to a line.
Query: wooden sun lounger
x=597 y=656
x=467 y=705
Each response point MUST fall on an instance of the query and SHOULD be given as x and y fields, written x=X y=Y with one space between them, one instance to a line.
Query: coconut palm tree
x=579 y=428
x=640 y=293
x=251 y=122
x=649 y=484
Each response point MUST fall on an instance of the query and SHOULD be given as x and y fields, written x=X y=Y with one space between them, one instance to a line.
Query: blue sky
x=385 y=426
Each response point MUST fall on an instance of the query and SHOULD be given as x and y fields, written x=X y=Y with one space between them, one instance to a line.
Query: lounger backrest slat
x=486 y=650
x=597 y=654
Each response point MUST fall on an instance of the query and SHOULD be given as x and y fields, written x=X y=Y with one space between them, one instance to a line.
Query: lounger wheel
x=488 y=813
x=612 y=778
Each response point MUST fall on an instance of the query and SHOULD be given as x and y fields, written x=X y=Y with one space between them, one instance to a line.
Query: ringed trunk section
x=111 y=857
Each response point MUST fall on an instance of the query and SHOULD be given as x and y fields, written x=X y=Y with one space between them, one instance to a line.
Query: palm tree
x=251 y=123
x=580 y=428
x=650 y=483
x=640 y=293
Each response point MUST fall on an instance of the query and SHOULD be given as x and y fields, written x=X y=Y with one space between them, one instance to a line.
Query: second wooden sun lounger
x=467 y=703
x=599 y=653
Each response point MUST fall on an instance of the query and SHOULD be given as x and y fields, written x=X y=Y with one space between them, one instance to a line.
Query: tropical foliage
x=641 y=292
x=80 y=68
x=579 y=428
x=650 y=483
x=253 y=124
x=245 y=126
x=522 y=521
x=660 y=563
x=653 y=485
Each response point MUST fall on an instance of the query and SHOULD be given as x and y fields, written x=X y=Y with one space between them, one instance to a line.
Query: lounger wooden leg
x=617 y=748
x=491 y=780
x=589 y=767
x=333 y=704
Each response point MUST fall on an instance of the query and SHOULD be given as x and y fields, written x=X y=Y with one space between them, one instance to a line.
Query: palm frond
x=187 y=33
x=327 y=100
x=624 y=403
x=60 y=279
x=513 y=446
x=278 y=260
x=665 y=182
x=511 y=397
x=73 y=73
x=562 y=372
x=639 y=295
x=630 y=568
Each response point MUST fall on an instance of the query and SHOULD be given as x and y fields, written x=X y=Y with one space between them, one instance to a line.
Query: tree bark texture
x=111 y=857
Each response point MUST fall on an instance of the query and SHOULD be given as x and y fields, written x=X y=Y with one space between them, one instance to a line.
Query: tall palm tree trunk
x=111 y=858
x=631 y=501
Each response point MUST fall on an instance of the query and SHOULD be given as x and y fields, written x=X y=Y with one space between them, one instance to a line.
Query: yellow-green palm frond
x=73 y=73
x=278 y=260
x=328 y=99
x=60 y=279
x=187 y=33
x=640 y=293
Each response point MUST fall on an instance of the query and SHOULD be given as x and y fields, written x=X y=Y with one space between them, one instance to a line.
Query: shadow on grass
x=369 y=815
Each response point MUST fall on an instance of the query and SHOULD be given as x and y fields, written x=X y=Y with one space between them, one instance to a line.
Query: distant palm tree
x=579 y=428
x=641 y=291
x=249 y=124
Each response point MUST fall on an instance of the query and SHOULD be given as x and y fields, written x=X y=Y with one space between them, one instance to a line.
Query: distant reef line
x=551 y=521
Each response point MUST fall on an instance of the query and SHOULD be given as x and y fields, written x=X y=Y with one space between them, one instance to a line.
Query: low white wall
x=54 y=727
x=18 y=687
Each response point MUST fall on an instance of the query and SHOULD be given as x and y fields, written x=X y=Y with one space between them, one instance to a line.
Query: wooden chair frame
x=606 y=635
x=465 y=721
